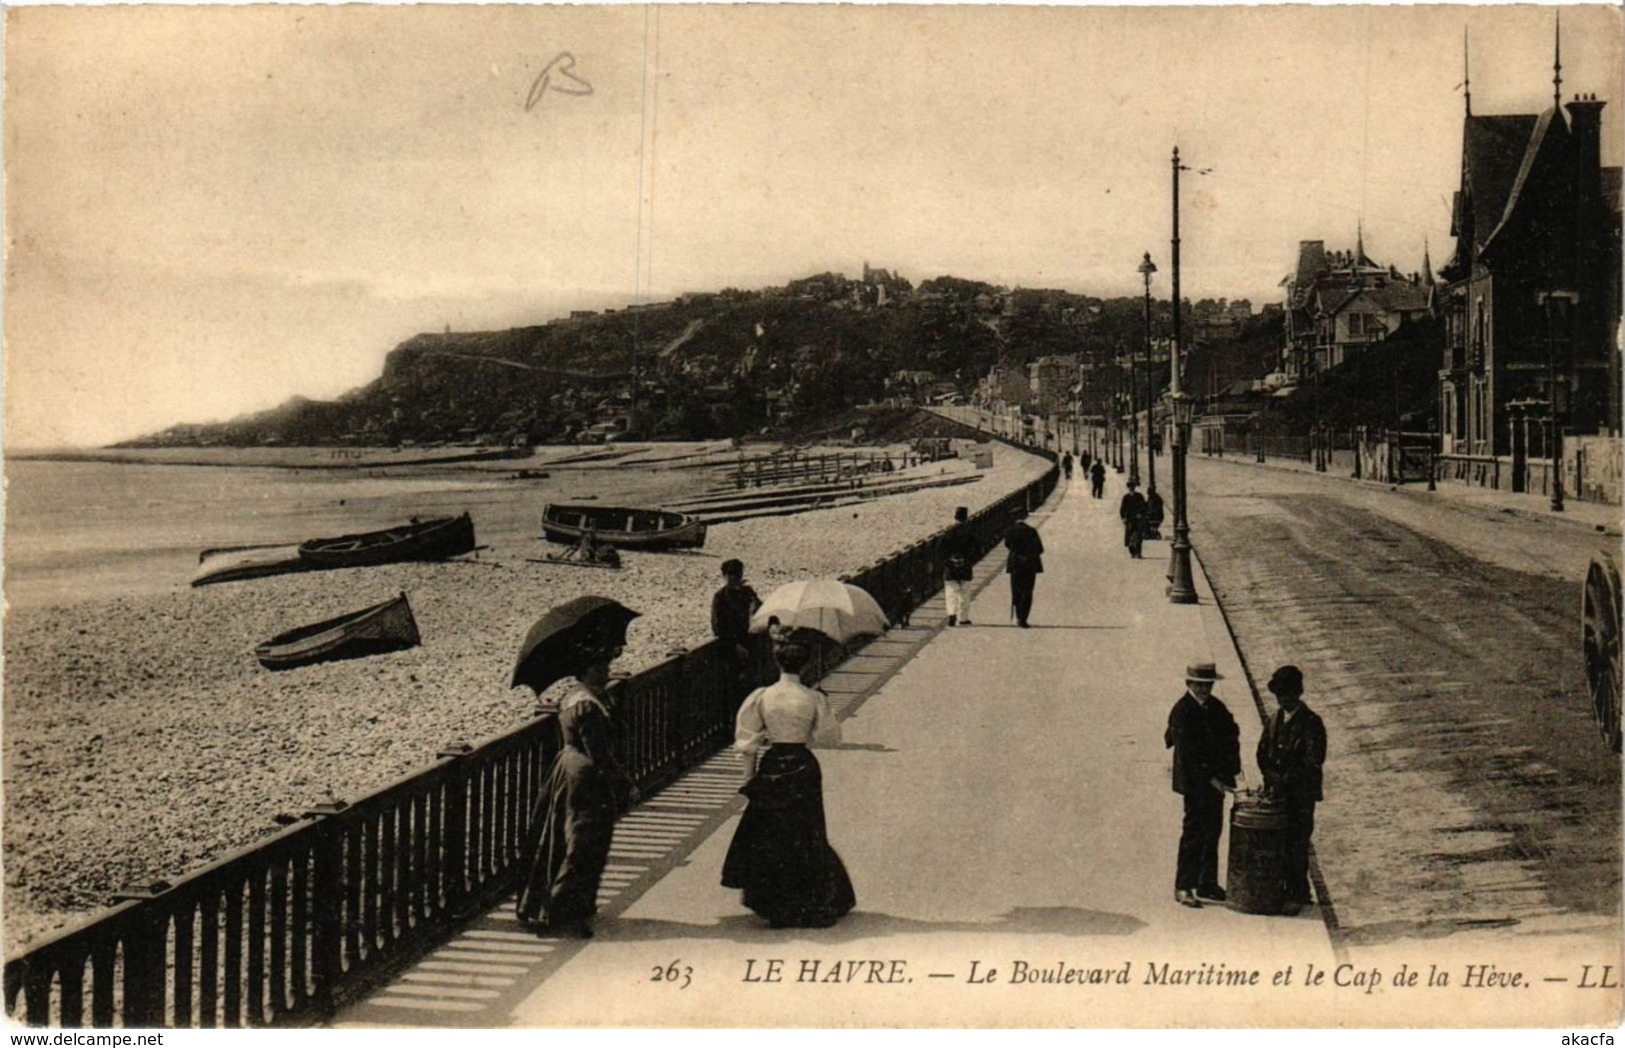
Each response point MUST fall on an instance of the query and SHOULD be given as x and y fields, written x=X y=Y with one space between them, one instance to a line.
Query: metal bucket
x=1256 y=881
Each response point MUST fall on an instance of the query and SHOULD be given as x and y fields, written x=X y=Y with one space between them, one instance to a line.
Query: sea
x=98 y=526
x=96 y=530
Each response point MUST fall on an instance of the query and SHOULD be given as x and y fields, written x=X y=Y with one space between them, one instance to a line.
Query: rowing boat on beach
x=371 y=631
x=622 y=527
x=254 y=562
x=434 y=539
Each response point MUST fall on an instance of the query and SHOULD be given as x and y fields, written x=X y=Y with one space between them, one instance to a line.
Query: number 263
x=676 y=972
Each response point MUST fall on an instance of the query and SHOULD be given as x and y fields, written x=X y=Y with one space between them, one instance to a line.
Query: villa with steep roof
x=1531 y=292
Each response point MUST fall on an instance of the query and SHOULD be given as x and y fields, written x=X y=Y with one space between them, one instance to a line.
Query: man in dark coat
x=1024 y=562
x=1132 y=513
x=1290 y=754
x=1153 y=514
x=958 y=553
x=731 y=609
x=1066 y=464
x=1097 y=479
x=1207 y=759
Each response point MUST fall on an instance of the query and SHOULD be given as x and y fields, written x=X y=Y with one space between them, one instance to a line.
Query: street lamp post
x=1317 y=436
x=1133 y=420
x=1117 y=416
x=1148 y=267
x=1554 y=440
x=1181 y=587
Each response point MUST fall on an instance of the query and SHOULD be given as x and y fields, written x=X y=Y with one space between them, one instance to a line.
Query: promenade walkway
x=1001 y=798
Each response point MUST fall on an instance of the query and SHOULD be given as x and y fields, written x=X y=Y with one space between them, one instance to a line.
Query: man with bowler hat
x=1207 y=759
x=958 y=552
x=1097 y=479
x=1132 y=513
x=1024 y=563
x=1290 y=754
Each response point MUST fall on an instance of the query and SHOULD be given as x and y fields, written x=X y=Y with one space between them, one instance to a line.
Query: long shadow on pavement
x=745 y=928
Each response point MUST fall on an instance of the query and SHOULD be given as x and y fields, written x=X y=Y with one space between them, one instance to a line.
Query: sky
x=210 y=209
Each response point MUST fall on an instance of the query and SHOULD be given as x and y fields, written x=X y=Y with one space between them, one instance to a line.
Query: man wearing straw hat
x=1207 y=759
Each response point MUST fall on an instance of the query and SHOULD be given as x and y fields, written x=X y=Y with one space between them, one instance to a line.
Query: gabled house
x=1532 y=290
x=1350 y=319
x=1338 y=301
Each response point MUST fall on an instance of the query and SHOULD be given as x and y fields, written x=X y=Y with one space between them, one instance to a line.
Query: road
x=1467 y=787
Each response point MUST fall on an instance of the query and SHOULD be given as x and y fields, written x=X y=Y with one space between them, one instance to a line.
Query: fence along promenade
x=283 y=932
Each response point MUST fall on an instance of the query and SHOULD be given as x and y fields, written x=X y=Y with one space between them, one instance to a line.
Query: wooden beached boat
x=434 y=539
x=623 y=527
x=383 y=627
x=230 y=565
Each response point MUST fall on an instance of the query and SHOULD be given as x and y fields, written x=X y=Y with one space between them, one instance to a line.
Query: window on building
x=1480 y=332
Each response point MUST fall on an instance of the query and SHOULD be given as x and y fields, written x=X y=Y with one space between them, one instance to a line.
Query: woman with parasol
x=780 y=856
x=570 y=830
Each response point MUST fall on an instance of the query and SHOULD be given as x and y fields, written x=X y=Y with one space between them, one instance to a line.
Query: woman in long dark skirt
x=574 y=820
x=780 y=856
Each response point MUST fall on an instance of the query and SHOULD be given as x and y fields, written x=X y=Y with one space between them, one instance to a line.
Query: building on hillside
x=1532 y=291
x=1004 y=384
x=1051 y=381
x=880 y=287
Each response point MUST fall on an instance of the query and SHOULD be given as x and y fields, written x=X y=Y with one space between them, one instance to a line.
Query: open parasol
x=563 y=642
x=838 y=610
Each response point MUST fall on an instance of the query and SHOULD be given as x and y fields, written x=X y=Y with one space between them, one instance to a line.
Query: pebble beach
x=142 y=739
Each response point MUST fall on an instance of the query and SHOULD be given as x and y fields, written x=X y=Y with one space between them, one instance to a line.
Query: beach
x=143 y=740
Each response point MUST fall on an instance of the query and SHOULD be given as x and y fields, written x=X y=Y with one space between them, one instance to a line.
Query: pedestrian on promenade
x=1290 y=754
x=569 y=837
x=1207 y=759
x=1097 y=479
x=958 y=552
x=1024 y=563
x=1066 y=464
x=731 y=609
x=1131 y=511
x=1083 y=463
x=780 y=856
x=1153 y=514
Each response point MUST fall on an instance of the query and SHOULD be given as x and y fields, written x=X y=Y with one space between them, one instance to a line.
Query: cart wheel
x=1600 y=629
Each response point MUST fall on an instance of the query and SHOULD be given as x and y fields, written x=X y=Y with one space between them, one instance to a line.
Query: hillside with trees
x=718 y=364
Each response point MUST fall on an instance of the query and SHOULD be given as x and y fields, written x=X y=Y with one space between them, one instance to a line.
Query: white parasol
x=838 y=610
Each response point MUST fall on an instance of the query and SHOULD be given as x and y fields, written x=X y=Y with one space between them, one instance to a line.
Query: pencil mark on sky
x=558 y=75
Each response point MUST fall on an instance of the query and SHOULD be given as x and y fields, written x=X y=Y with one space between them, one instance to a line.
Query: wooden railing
x=285 y=931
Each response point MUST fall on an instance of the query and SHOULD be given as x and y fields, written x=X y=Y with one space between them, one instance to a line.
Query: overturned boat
x=371 y=631
x=622 y=527
x=435 y=539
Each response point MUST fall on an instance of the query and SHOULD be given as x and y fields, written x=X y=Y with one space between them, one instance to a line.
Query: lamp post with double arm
x=1181 y=586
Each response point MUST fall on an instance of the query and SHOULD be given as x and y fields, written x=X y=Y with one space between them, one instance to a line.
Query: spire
x=1557 y=67
x=1359 y=243
x=1427 y=265
x=1466 y=72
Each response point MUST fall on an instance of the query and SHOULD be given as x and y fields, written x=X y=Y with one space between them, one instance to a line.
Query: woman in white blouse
x=780 y=856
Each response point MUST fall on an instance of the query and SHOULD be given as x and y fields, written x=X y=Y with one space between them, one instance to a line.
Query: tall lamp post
x=1133 y=419
x=1148 y=267
x=1181 y=587
x=1317 y=437
x=1117 y=416
x=1554 y=438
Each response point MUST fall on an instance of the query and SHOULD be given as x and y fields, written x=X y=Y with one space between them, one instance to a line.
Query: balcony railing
x=285 y=931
